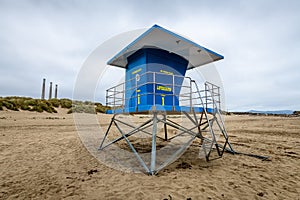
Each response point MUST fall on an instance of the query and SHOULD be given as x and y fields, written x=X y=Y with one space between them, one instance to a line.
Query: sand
x=42 y=157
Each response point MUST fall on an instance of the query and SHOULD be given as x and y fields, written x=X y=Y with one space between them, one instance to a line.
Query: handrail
x=188 y=96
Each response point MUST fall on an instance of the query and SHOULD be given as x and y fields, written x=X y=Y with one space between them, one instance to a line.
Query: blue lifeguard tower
x=156 y=63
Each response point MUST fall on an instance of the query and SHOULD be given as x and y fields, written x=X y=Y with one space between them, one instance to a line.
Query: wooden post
x=43 y=88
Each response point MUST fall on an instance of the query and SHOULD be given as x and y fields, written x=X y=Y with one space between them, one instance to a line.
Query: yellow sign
x=166 y=72
x=163 y=88
x=136 y=71
x=138 y=97
x=163 y=99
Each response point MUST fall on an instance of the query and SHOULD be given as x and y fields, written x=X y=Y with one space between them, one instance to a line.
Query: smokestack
x=50 y=91
x=43 y=88
x=55 y=94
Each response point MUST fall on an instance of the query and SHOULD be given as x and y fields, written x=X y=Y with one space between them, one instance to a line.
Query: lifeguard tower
x=155 y=84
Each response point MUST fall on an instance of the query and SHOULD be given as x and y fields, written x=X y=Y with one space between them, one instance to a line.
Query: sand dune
x=41 y=156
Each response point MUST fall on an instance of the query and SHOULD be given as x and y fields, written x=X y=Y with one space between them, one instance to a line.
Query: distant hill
x=274 y=112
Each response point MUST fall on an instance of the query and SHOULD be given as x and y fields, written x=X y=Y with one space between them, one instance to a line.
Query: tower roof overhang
x=158 y=37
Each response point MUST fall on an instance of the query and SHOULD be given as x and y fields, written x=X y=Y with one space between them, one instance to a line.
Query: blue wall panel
x=143 y=90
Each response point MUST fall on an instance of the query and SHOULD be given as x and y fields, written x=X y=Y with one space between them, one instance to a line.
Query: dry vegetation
x=50 y=106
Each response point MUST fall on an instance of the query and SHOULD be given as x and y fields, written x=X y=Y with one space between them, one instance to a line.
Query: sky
x=52 y=39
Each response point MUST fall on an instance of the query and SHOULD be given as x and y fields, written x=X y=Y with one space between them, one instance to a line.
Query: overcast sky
x=260 y=41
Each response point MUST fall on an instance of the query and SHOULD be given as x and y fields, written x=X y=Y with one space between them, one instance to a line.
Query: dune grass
x=39 y=105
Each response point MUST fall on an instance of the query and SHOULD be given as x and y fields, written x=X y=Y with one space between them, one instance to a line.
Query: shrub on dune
x=10 y=105
x=81 y=108
x=65 y=103
x=54 y=102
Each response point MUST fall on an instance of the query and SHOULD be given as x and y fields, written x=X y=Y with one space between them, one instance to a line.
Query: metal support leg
x=107 y=131
x=165 y=128
x=153 y=152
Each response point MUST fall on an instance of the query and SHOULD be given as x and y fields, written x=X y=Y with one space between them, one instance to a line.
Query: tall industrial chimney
x=43 y=88
x=55 y=94
x=50 y=91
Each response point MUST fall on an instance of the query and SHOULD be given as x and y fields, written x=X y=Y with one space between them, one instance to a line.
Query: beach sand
x=41 y=156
